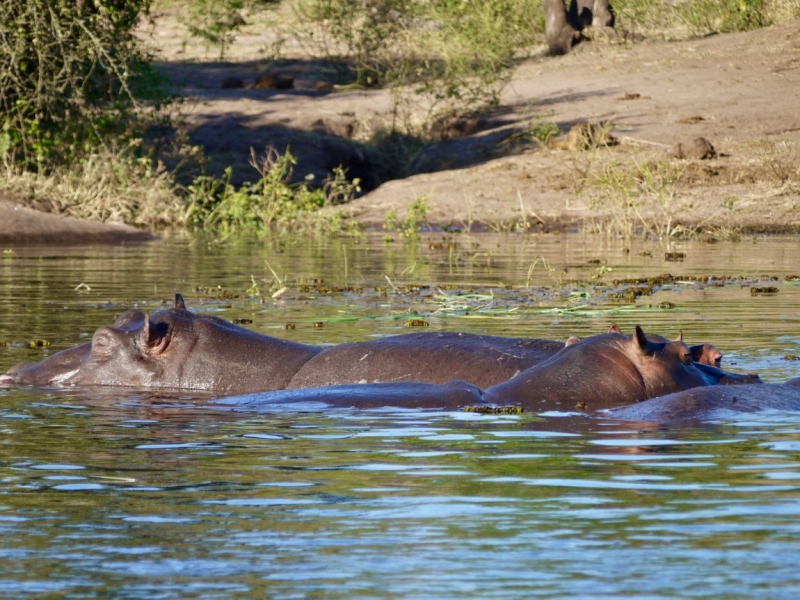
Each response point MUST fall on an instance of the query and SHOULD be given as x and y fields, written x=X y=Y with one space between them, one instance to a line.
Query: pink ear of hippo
x=680 y=337
x=179 y=303
x=573 y=339
x=715 y=356
x=614 y=329
x=150 y=339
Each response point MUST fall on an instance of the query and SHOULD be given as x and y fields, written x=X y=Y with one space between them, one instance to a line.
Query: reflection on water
x=126 y=495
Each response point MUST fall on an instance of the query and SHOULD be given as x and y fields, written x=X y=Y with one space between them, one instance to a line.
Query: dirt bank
x=739 y=91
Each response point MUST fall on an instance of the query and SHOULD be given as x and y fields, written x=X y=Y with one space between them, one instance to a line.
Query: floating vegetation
x=763 y=291
x=791 y=357
x=39 y=343
x=666 y=305
x=462 y=303
x=630 y=294
x=674 y=256
x=483 y=409
x=318 y=324
x=290 y=326
x=417 y=323
x=3 y=344
x=243 y=321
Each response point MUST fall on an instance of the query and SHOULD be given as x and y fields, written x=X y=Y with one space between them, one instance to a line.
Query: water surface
x=127 y=494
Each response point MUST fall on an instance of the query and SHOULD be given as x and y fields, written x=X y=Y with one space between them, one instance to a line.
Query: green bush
x=70 y=72
x=725 y=15
x=446 y=57
x=217 y=22
x=217 y=206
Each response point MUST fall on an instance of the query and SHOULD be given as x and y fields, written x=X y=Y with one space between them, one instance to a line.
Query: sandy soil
x=744 y=87
x=739 y=91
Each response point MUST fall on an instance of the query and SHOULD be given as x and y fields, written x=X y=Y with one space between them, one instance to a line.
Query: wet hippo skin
x=599 y=372
x=482 y=360
x=178 y=349
x=712 y=403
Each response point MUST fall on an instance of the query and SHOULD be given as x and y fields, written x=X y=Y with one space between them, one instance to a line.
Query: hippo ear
x=639 y=339
x=714 y=356
x=680 y=337
x=151 y=338
x=614 y=329
x=573 y=339
x=179 y=303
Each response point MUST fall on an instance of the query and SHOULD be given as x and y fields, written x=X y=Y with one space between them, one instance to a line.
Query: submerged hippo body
x=178 y=349
x=713 y=402
x=599 y=372
x=606 y=371
x=482 y=360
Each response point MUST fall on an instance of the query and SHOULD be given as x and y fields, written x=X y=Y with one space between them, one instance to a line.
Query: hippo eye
x=686 y=358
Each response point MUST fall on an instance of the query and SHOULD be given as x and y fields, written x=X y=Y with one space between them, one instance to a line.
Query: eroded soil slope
x=738 y=91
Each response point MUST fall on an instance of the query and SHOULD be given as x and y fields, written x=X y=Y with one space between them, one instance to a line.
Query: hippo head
x=704 y=354
x=62 y=367
x=669 y=366
x=173 y=348
x=664 y=366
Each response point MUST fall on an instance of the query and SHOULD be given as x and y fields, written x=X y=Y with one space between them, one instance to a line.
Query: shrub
x=215 y=205
x=448 y=57
x=70 y=75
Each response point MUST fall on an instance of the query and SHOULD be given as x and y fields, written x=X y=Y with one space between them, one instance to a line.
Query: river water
x=122 y=493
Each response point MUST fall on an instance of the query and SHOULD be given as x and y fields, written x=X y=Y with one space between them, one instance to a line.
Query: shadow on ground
x=325 y=129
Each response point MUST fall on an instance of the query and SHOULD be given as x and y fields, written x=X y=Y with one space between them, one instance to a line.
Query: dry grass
x=111 y=185
x=648 y=193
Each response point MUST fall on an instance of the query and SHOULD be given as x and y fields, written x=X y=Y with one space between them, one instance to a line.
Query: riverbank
x=506 y=169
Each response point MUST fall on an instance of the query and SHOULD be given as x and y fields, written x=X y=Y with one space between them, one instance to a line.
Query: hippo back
x=439 y=357
x=711 y=402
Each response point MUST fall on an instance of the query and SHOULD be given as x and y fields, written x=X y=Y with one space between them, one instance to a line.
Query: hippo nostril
x=5 y=381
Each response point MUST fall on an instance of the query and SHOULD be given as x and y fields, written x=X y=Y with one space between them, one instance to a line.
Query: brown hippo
x=704 y=354
x=53 y=370
x=176 y=348
x=599 y=372
x=606 y=371
x=482 y=360
x=713 y=402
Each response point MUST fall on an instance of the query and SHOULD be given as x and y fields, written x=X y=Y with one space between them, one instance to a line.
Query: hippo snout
x=6 y=381
x=740 y=379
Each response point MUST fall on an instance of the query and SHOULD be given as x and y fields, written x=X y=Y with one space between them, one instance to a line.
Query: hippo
x=610 y=370
x=715 y=402
x=704 y=354
x=482 y=360
x=598 y=372
x=178 y=349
